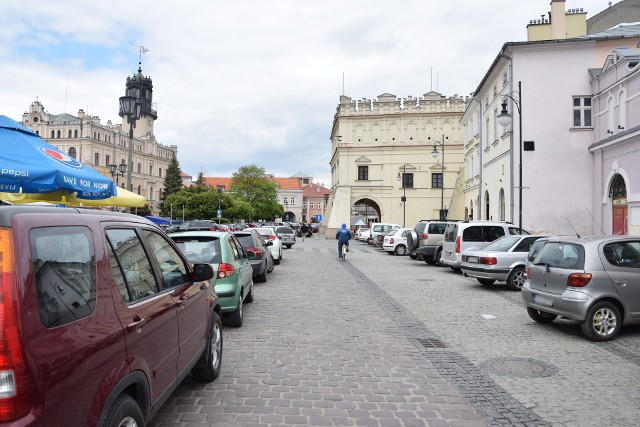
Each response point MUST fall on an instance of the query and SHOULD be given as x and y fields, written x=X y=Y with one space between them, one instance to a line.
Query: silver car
x=502 y=260
x=287 y=236
x=593 y=280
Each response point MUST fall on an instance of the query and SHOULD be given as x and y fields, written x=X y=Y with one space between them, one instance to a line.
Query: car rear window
x=377 y=228
x=246 y=240
x=450 y=233
x=502 y=244
x=436 y=228
x=285 y=230
x=419 y=228
x=561 y=255
x=65 y=273
x=200 y=249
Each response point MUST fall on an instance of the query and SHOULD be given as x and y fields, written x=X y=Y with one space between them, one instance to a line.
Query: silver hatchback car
x=593 y=280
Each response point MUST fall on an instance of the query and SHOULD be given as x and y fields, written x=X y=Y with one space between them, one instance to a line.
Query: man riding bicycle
x=343 y=235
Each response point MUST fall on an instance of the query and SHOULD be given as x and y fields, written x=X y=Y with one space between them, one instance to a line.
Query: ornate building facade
x=387 y=159
x=99 y=145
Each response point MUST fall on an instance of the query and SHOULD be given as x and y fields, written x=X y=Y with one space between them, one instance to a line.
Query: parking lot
x=382 y=340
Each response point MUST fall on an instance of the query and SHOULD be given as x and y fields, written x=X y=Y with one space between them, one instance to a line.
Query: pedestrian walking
x=304 y=230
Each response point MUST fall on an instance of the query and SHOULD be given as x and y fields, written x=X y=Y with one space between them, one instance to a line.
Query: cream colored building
x=98 y=145
x=381 y=152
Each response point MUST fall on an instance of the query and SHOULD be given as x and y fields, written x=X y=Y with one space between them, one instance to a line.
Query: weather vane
x=142 y=50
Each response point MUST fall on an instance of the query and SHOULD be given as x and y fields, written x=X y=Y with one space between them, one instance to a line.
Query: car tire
x=288 y=246
x=124 y=412
x=603 y=321
x=486 y=282
x=400 y=250
x=236 y=316
x=270 y=264
x=516 y=278
x=277 y=260
x=261 y=278
x=212 y=356
x=249 y=298
x=413 y=255
x=541 y=316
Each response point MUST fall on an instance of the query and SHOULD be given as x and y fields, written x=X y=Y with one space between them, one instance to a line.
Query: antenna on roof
x=574 y=230
x=594 y=220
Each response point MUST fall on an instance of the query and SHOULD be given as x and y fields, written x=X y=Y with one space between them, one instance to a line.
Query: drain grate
x=431 y=343
x=516 y=367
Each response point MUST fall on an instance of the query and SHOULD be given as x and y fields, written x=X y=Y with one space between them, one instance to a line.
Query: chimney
x=558 y=19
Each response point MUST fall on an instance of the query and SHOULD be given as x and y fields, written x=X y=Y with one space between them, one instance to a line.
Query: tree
x=200 y=179
x=252 y=185
x=172 y=184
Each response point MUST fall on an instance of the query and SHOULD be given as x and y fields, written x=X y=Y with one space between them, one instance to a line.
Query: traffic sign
x=219 y=213
x=318 y=218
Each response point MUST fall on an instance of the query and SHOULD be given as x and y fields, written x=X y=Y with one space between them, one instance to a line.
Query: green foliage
x=253 y=186
x=172 y=184
x=200 y=179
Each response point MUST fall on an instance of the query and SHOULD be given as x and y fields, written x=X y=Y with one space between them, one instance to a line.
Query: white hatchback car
x=396 y=241
x=269 y=235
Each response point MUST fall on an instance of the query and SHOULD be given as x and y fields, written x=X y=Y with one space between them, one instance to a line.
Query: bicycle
x=344 y=249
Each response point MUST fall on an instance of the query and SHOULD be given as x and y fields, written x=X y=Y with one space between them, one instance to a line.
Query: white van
x=462 y=235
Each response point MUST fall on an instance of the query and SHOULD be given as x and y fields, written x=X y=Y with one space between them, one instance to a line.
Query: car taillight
x=488 y=260
x=391 y=240
x=272 y=237
x=458 y=245
x=225 y=270
x=423 y=236
x=578 y=280
x=256 y=251
x=15 y=401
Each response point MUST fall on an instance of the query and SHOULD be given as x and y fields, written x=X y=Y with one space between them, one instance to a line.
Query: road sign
x=318 y=218
x=219 y=213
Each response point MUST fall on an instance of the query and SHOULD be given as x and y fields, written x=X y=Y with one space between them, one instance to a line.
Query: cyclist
x=343 y=235
x=304 y=230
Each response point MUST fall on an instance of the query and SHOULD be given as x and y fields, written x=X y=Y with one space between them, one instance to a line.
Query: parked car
x=363 y=234
x=398 y=241
x=462 y=235
x=381 y=228
x=234 y=275
x=502 y=260
x=287 y=235
x=258 y=252
x=90 y=325
x=429 y=243
x=593 y=280
x=199 y=224
x=269 y=234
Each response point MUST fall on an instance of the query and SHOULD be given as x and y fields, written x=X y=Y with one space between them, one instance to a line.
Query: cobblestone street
x=382 y=340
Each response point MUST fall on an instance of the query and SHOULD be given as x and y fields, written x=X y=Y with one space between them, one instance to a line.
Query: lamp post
x=219 y=188
x=403 y=199
x=434 y=154
x=118 y=171
x=505 y=119
x=131 y=108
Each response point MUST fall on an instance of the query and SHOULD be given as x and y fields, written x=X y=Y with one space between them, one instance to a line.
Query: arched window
x=58 y=134
x=53 y=134
x=69 y=134
x=618 y=187
x=611 y=115
x=72 y=152
x=75 y=133
x=622 y=111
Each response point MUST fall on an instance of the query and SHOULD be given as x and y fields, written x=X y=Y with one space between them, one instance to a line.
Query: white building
x=555 y=107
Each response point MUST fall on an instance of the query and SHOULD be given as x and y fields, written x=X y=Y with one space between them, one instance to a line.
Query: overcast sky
x=251 y=81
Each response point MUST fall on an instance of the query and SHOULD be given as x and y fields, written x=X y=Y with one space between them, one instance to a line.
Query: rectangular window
x=160 y=172
x=96 y=159
x=107 y=160
x=293 y=201
x=64 y=269
x=407 y=180
x=285 y=201
x=582 y=111
x=363 y=173
x=436 y=180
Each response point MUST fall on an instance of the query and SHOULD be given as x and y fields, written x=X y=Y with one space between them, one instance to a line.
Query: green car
x=233 y=279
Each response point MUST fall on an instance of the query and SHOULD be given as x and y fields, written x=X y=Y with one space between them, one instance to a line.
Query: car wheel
x=486 y=281
x=261 y=278
x=516 y=278
x=603 y=322
x=401 y=250
x=270 y=264
x=235 y=317
x=277 y=260
x=413 y=255
x=212 y=357
x=124 y=412
x=541 y=316
x=249 y=298
x=288 y=246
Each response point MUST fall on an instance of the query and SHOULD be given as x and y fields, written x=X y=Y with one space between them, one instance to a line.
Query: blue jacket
x=343 y=235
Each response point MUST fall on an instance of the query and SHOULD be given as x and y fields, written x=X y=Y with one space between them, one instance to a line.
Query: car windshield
x=200 y=249
x=503 y=244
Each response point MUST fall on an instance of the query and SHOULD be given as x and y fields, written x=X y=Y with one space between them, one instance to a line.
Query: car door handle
x=137 y=324
x=620 y=282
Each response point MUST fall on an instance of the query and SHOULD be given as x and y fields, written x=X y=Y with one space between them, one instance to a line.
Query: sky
x=239 y=82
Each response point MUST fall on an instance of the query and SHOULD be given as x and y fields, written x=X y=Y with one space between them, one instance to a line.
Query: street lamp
x=505 y=119
x=131 y=108
x=118 y=171
x=434 y=154
x=403 y=199
x=219 y=188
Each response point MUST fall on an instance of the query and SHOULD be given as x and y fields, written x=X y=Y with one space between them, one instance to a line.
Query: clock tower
x=141 y=88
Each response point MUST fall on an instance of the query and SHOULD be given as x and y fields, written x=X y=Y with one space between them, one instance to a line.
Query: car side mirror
x=202 y=272
x=269 y=243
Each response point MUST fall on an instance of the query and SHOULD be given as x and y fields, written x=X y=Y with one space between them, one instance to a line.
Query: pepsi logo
x=62 y=158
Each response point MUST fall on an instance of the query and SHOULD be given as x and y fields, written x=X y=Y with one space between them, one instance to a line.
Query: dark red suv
x=102 y=317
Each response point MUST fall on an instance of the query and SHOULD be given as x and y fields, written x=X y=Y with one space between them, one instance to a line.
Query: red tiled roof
x=315 y=190
x=214 y=181
x=284 y=183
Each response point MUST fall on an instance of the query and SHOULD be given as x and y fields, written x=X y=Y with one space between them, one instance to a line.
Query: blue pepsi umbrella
x=31 y=166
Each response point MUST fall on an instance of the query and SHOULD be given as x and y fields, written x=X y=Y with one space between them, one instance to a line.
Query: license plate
x=473 y=259
x=542 y=300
